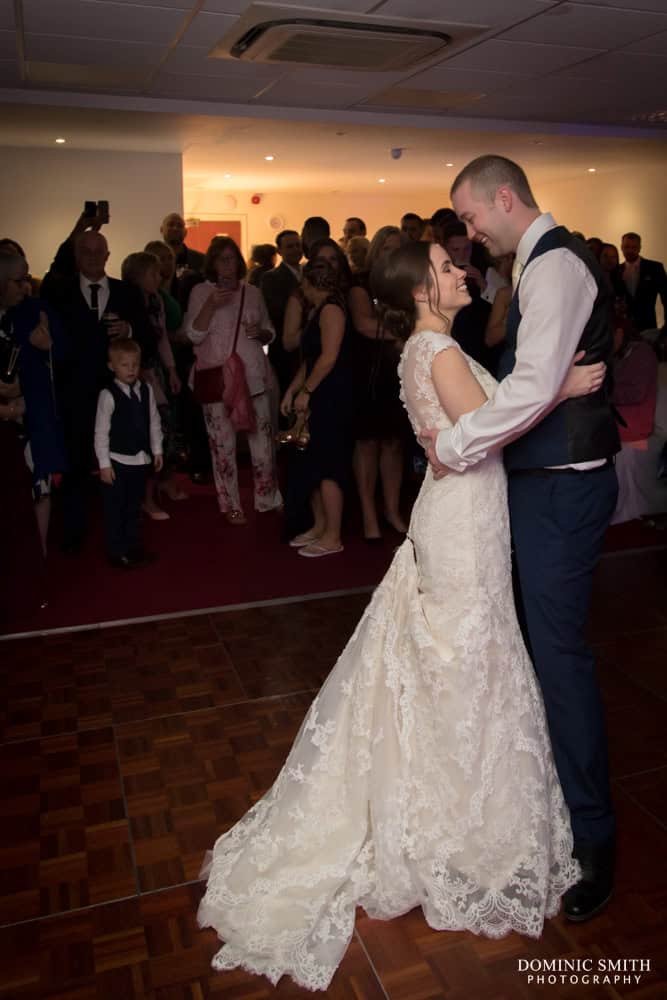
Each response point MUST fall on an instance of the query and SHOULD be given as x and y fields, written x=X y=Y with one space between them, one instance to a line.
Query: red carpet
x=204 y=562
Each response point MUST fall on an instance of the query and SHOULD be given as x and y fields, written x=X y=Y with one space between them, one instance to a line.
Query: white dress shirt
x=102 y=294
x=105 y=407
x=556 y=295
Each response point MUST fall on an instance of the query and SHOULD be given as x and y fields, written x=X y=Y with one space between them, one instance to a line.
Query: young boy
x=127 y=433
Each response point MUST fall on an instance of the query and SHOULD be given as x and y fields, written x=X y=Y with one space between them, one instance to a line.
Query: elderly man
x=94 y=308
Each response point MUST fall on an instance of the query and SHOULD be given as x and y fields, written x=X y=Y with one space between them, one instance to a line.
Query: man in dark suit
x=644 y=281
x=276 y=287
x=94 y=309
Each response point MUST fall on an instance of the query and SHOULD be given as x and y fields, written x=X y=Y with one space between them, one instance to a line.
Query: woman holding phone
x=216 y=308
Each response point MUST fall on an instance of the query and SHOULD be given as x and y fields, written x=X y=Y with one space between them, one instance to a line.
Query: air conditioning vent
x=270 y=34
x=327 y=43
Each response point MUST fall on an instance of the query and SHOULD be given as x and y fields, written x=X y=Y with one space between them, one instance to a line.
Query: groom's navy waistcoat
x=578 y=430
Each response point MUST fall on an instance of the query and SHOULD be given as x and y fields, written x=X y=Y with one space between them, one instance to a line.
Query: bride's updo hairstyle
x=393 y=281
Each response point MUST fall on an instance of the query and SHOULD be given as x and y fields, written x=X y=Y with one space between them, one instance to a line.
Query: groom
x=561 y=481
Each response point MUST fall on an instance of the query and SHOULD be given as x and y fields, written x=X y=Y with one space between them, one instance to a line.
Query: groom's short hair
x=487 y=173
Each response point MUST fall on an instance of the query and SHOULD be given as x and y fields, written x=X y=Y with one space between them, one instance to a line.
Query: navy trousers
x=122 y=509
x=558 y=523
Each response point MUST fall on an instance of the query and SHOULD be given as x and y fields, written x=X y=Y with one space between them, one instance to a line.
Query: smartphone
x=103 y=210
x=90 y=209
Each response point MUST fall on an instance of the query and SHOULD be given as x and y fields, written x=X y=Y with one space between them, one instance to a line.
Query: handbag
x=298 y=434
x=227 y=383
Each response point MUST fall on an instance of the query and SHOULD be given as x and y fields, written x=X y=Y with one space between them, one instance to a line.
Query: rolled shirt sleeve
x=556 y=296
x=105 y=408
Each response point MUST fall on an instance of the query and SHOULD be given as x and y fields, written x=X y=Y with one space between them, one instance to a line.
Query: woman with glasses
x=216 y=307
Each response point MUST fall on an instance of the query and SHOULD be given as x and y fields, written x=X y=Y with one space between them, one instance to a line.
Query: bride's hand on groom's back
x=582 y=380
x=427 y=439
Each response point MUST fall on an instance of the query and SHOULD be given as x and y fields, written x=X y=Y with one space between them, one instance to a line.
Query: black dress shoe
x=590 y=895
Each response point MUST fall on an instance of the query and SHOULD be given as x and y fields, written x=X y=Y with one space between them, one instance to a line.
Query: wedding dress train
x=422 y=774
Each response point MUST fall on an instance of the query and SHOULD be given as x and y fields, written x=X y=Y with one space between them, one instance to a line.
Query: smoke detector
x=339 y=40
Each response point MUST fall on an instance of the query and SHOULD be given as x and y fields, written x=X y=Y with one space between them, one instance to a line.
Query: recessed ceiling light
x=269 y=158
x=61 y=141
x=591 y=170
x=381 y=180
x=227 y=176
x=449 y=164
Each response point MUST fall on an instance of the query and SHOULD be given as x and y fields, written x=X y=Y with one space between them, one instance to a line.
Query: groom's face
x=484 y=219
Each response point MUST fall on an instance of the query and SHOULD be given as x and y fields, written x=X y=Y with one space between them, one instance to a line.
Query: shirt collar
x=127 y=389
x=86 y=282
x=536 y=230
x=296 y=271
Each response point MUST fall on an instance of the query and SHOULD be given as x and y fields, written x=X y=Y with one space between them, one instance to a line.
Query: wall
x=604 y=204
x=375 y=209
x=44 y=192
x=610 y=203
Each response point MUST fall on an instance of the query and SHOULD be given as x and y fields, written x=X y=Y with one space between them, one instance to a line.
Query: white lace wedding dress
x=422 y=774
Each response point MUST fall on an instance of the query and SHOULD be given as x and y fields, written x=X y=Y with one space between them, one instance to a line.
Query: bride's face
x=451 y=280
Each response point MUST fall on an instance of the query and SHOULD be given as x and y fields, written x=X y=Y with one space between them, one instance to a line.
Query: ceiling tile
x=206 y=88
x=207 y=29
x=289 y=92
x=340 y=77
x=183 y=5
x=504 y=57
x=655 y=45
x=8 y=49
x=588 y=25
x=482 y=12
x=191 y=60
x=87 y=78
x=51 y=48
x=627 y=67
x=240 y=6
x=447 y=78
x=655 y=5
x=9 y=73
x=7 y=22
x=110 y=20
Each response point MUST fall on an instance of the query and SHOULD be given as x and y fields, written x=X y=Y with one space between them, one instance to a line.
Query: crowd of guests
x=114 y=376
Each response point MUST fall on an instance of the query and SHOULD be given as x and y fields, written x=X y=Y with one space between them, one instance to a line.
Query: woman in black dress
x=322 y=389
x=380 y=422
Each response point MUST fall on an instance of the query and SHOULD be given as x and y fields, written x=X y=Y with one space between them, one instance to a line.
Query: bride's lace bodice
x=417 y=389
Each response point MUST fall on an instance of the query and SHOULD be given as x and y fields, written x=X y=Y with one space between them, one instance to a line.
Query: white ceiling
x=324 y=155
x=598 y=61
x=560 y=85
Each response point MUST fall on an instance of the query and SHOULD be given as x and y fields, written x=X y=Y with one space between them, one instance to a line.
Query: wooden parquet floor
x=125 y=752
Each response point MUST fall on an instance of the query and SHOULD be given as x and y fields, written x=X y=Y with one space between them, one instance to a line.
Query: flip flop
x=315 y=551
x=300 y=540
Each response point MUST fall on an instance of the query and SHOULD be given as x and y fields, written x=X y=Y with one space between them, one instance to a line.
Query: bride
x=422 y=774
